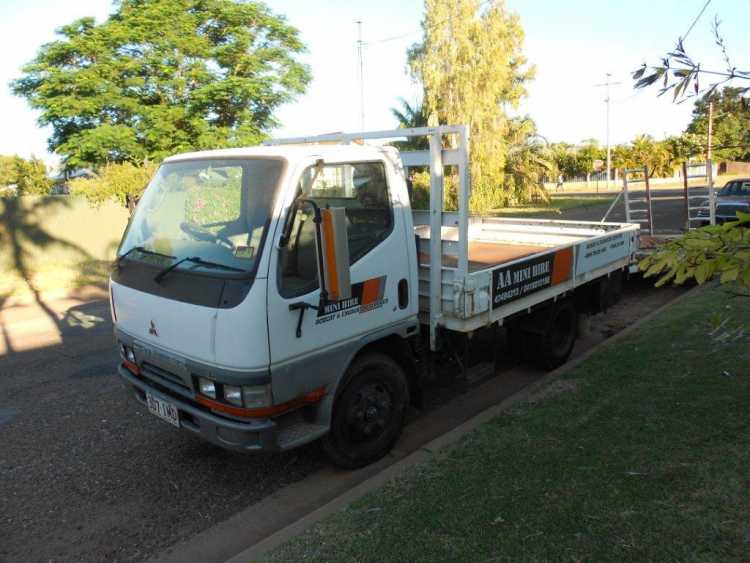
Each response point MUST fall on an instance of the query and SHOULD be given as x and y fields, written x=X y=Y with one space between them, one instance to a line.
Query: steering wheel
x=201 y=233
x=370 y=200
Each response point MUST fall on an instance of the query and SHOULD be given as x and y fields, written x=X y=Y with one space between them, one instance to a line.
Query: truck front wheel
x=368 y=412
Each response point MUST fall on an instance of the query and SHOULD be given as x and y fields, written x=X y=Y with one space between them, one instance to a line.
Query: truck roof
x=328 y=152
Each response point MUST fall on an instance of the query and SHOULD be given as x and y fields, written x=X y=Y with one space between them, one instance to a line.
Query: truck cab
x=216 y=296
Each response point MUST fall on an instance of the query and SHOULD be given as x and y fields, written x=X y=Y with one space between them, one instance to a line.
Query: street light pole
x=361 y=76
x=607 y=100
x=609 y=148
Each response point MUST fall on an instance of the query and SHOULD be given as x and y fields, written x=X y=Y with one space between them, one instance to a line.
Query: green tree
x=471 y=67
x=7 y=170
x=654 y=154
x=684 y=147
x=163 y=76
x=566 y=160
x=588 y=153
x=31 y=177
x=622 y=157
x=123 y=182
x=731 y=126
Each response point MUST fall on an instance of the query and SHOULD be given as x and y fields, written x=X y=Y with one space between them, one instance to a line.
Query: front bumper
x=257 y=435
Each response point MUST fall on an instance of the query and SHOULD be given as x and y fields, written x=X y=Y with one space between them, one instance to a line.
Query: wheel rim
x=369 y=412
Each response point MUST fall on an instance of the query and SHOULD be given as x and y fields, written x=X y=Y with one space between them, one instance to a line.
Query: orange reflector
x=264 y=412
x=131 y=367
x=329 y=249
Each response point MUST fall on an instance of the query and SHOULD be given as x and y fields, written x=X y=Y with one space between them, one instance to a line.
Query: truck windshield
x=214 y=210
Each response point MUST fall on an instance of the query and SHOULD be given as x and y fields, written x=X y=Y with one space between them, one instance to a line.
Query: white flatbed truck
x=270 y=296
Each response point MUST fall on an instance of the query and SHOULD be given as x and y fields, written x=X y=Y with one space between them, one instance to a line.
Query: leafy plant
x=721 y=251
x=680 y=74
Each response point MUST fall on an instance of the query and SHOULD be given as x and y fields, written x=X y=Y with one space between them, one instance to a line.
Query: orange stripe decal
x=370 y=291
x=330 y=256
x=561 y=265
x=264 y=412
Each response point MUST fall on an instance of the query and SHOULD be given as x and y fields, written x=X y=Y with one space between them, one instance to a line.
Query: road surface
x=668 y=207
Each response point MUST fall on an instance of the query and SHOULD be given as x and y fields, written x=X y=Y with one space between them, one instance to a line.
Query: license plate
x=163 y=409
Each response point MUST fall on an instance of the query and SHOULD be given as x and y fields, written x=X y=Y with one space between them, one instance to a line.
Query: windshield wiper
x=143 y=251
x=195 y=260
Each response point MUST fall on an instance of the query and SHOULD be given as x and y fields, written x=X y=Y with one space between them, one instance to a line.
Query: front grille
x=163 y=376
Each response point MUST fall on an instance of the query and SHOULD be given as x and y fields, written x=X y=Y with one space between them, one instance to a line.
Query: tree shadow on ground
x=5 y=336
x=23 y=239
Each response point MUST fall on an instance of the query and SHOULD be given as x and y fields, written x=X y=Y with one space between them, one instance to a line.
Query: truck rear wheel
x=557 y=341
x=368 y=413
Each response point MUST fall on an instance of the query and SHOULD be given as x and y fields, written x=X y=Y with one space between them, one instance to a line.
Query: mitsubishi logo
x=152 y=329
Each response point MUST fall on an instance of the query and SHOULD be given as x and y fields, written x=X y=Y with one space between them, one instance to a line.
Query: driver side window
x=362 y=190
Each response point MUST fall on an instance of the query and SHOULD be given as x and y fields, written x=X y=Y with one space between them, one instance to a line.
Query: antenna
x=360 y=46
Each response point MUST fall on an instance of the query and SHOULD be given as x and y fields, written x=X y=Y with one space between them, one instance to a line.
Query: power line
x=692 y=25
x=389 y=39
x=440 y=23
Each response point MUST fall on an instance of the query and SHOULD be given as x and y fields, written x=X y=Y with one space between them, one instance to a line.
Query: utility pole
x=710 y=129
x=607 y=84
x=710 y=166
x=360 y=46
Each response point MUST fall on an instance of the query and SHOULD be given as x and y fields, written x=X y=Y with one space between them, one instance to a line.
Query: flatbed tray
x=483 y=255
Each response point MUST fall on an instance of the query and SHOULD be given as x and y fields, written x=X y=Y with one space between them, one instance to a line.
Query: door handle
x=301 y=306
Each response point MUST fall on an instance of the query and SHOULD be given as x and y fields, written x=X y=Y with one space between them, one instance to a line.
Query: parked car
x=733 y=197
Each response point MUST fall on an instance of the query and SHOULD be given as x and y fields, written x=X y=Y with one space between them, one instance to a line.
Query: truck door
x=380 y=261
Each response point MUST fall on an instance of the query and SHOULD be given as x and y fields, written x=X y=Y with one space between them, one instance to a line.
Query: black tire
x=368 y=413
x=615 y=288
x=559 y=337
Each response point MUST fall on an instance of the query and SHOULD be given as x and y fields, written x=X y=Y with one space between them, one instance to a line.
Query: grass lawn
x=558 y=204
x=642 y=452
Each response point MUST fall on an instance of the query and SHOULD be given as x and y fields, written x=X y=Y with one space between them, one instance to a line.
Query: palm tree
x=528 y=162
x=409 y=116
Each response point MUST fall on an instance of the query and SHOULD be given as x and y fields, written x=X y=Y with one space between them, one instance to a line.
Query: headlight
x=206 y=387
x=233 y=394
x=127 y=353
x=256 y=396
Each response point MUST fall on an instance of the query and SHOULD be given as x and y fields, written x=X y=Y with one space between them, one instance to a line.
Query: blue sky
x=572 y=43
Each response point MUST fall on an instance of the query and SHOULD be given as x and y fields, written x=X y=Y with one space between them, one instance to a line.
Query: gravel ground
x=87 y=475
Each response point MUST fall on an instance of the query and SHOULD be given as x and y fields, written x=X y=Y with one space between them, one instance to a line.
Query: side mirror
x=332 y=245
